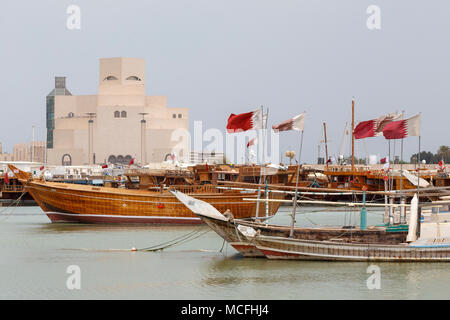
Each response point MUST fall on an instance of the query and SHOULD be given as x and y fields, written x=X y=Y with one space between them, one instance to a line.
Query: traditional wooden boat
x=93 y=204
x=415 y=242
x=235 y=231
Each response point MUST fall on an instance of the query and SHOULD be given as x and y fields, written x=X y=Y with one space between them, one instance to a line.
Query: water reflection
x=36 y=254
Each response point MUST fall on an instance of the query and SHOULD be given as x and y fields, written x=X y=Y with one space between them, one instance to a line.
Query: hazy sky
x=222 y=57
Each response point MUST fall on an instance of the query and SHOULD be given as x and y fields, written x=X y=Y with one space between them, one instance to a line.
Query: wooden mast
x=326 y=146
x=353 y=134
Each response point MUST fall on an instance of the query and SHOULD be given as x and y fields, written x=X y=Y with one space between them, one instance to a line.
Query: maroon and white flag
x=295 y=123
x=252 y=142
x=374 y=127
x=246 y=121
x=403 y=128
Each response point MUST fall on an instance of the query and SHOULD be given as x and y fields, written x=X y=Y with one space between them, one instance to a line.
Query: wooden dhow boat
x=64 y=202
x=418 y=241
x=236 y=231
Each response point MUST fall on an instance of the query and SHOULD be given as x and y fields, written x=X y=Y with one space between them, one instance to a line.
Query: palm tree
x=443 y=153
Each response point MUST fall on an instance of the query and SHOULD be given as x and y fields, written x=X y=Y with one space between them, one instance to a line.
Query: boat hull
x=295 y=249
x=87 y=204
x=228 y=231
x=56 y=217
x=261 y=245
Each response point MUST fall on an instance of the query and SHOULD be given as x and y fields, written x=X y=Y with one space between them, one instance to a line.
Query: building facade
x=21 y=152
x=119 y=123
x=207 y=157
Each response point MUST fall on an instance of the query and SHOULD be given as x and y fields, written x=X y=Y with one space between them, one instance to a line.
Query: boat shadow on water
x=87 y=227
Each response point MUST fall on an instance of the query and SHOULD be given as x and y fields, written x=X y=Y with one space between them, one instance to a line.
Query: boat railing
x=12 y=188
x=159 y=172
x=190 y=189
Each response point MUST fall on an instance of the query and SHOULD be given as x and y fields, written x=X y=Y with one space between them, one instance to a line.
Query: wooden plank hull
x=82 y=203
x=295 y=249
x=253 y=248
x=103 y=218
x=228 y=231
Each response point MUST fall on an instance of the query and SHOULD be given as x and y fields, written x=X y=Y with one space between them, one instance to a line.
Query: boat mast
x=262 y=160
x=353 y=134
x=294 y=205
x=264 y=125
x=32 y=145
x=326 y=146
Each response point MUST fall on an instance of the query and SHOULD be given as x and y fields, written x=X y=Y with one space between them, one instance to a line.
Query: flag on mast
x=374 y=127
x=296 y=123
x=247 y=121
x=403 y=128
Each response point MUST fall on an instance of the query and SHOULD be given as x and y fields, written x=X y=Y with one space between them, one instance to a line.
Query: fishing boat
x=64 y=202
x=417 y=241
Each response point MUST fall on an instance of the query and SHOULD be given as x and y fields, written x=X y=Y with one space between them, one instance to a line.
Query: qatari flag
x=374 y=127
x=403 y=128
x=295 y=123
x=246 y=121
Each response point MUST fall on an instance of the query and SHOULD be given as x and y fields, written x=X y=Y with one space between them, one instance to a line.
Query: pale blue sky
x=222 y=57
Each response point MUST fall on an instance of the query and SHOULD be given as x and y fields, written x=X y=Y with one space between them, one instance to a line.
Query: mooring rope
x=15 y=203
x=159 y=247
x=170 y=241
x=179 y=240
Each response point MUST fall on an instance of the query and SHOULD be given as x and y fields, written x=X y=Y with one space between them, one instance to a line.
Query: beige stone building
x=37 y=151
x=21 y=152
x=119 y=123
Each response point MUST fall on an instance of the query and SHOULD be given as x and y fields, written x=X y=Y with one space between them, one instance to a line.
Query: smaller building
x=207 y=157
x=34 y=152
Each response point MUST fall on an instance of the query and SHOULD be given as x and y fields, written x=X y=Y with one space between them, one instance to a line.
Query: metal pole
x=386 y=208
x=143 y=140
x=294 y=205
x=418 y=174
x=401 y=180
x=363 y=217
x=90 y=124
x=353 y=134
x=90 y=136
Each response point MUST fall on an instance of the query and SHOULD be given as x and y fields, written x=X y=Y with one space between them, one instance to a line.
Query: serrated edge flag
x=403 y=128
x=374 y=127
x=246 y=121
x=296 y=123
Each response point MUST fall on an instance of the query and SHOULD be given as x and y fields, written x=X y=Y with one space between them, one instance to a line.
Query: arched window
x=179 y=115
x=127 y=159
x=66 y=160
x=70 y=115
x=120 y=159
x=174 y=115
x=112 y=159
x=116 y=114
x=134 y=78
x=110 y=78
x=123 y=114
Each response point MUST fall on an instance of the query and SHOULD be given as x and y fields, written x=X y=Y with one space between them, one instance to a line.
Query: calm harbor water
x=35 y=255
